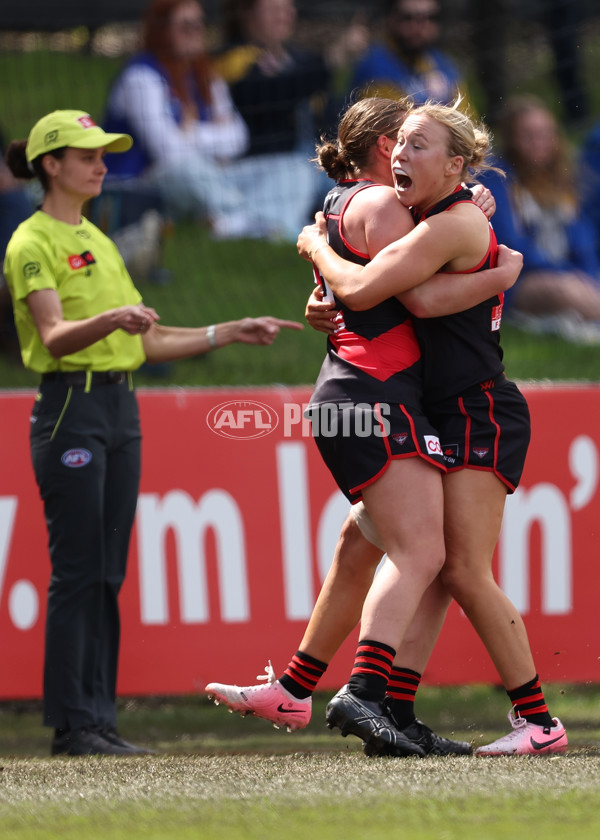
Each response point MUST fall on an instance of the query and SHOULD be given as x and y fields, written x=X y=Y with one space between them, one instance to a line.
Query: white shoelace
x=517 y=722
x=269 y=674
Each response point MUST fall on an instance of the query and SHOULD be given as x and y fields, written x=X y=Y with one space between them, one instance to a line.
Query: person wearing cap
x=83 y=327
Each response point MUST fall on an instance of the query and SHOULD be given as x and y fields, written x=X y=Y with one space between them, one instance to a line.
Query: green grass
x=193 y=725
x=220 y=776
x=216 y=281
x=340 y=796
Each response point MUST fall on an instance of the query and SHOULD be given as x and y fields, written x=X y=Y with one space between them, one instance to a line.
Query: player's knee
x=459 y=581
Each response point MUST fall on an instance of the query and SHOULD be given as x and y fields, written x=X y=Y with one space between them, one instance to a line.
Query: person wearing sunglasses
x=407 y=62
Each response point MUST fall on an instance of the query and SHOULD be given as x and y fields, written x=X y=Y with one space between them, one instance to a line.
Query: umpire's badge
x=31 y=269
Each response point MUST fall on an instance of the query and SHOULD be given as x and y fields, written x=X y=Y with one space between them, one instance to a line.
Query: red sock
x=402 y=688
x=372 y=665
x=528 y=702
x=302 y=674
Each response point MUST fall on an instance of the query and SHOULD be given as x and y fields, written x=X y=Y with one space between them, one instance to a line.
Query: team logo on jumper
x=31 y=269
x=400 y=438
x=242 y=419
x=496 y=317
x=81 y=260
x=450 y=453
x=76 y=458
x=481 y=451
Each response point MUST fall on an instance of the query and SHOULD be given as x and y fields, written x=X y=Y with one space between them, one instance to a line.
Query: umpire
x=83 y=327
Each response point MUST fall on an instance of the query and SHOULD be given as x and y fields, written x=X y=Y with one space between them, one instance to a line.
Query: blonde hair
x=467 y=139
x=358 y=130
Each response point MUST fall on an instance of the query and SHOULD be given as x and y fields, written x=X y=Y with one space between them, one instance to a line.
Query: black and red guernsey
x=461 y=350
x=376 y=351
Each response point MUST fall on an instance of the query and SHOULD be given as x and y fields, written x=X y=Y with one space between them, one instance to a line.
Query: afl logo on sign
x=242 y=419
x=76 y=457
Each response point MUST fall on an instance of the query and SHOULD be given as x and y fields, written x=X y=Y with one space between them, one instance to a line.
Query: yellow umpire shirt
x=87 y=271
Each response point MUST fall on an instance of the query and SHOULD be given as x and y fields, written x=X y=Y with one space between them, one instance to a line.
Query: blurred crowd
x=226 y=135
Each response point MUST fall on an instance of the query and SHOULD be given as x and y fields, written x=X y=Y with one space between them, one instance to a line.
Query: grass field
x=217 y=775
x=216 y=281
x=326 y=797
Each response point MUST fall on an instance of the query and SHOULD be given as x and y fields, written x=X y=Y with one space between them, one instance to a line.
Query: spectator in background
x=185 y=126
x=272 y=83
x=16 y=205
x=283 y=92
x=538 y=213
x=407 y=62
x=590 y=178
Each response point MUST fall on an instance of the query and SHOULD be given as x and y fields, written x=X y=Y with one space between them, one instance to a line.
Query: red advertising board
x=235 y=529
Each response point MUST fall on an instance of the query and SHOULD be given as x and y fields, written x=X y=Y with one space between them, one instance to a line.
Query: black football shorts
x=485 y=429
x=357 y=442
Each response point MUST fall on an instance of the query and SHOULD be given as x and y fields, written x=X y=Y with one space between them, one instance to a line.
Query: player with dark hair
x=363 y=216
x=83 y=327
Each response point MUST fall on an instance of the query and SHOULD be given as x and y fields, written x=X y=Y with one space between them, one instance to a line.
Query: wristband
x=211 y=334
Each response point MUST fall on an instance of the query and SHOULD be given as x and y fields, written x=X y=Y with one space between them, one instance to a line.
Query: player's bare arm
x=374 y=219
x=445 y=294
x=447 y=240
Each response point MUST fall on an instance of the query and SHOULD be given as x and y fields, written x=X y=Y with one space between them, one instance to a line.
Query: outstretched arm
x=166 y=344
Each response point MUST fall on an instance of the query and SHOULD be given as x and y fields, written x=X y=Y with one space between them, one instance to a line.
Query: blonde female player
x=482 y=418
x=364 y=216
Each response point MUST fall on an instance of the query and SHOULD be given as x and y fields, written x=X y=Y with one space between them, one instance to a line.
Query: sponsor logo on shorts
x=31 y=269
x=481 y=451
x=433 y=445
x=75 y=458
x=450 y=453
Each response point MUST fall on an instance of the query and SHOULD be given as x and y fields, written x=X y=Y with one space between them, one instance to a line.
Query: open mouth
x=402 y=180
